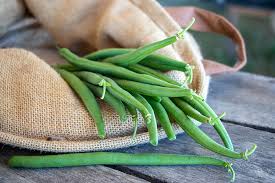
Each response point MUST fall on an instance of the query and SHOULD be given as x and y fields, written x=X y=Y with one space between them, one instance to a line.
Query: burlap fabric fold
x=40 y=111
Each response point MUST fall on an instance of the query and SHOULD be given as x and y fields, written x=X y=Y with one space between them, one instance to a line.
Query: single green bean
x=106 y=53
x=152 y=90
x=110 y=69
x=137 y=55
x=87 y=98
x=93 y=78
x=152 y=127
x=126 y=97
x=156 y=98
x=198 y=135
x=115 y=103
x=163 y=118
x=67 y=67
x=114 y=158
x=133 y=112
x=190 y=111
x=206 y=110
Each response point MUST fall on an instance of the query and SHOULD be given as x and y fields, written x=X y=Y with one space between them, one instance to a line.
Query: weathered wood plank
x=69 y=175
x=259 y=168
x=246 y=98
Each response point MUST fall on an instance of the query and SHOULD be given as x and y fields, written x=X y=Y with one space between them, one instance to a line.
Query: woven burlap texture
x=40 y=111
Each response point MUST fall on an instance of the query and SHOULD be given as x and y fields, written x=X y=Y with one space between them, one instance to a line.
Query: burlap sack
x=39 y=110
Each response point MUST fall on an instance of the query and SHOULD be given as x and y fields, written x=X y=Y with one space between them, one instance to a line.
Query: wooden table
x=249 y=101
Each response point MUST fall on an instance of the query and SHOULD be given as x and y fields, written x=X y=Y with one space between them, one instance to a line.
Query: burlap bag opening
x=40 y=111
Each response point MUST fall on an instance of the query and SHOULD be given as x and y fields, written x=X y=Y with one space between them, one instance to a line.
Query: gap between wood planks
x=261 y=128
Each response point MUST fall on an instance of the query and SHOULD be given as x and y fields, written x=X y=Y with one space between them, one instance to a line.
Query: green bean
x=152 y=90
x=152 y=127
x=137 y=55
x=115 y=103
x=154 y=61
x=198 y=135
x=93 y=78
x=133 y=111
x=190 y=111
x=126 y=97
x=67 y=67
x=87 y=98
x=110 y=69
x=113 y=158
x=146 y=70
x=106 y=53
x=163 y=118
x=206 y=110
x=156 y=98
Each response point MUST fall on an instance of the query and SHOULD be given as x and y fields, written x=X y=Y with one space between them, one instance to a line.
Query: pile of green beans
x=133 y=80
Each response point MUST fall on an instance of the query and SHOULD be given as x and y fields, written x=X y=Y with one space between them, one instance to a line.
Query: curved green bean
x=107 y=52
x=198 y=135
x=126 y=97
x=138 y=54
x=163 y=118
x=133 y=112
x=190 y=111
x=93 y=78
x=152 y=127
x=114 y=158
x=206 y=110
x=87 y=98
x=110 y=69
x=115 y=103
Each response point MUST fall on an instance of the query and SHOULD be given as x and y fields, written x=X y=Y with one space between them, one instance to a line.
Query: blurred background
x=255 y=19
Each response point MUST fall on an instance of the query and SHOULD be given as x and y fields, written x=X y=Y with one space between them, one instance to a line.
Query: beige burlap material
x=40 y=111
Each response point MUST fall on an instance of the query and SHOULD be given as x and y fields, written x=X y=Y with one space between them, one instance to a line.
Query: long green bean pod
x=152 y=90
x=152 y=127
x=87 y=98
x=110 y=69
x=133 y=112
x=137 y=55
x=198 y=135
x=190 y=111
x=206 y=110
x=93 y=78
x=126 y=97
x=115 y=103
x=114 y=158
x=163 y=118
x=107 y=52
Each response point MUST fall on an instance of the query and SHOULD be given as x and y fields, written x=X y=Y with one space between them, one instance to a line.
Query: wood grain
x=259 y=168
x=246 y=98
x=87 y=174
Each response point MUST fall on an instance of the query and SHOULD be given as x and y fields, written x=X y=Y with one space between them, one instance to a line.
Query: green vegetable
x=110 y=69
x=138 y=54
x=206 y=110
x=87 y=98
x=133 y=111
x=126 y=97
x=113 y=158
x=198 y=135
x=152 y=127
x=152 y=90
x=190 y=111
x=115 y=103
x=163 y=118
x=93 y=79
